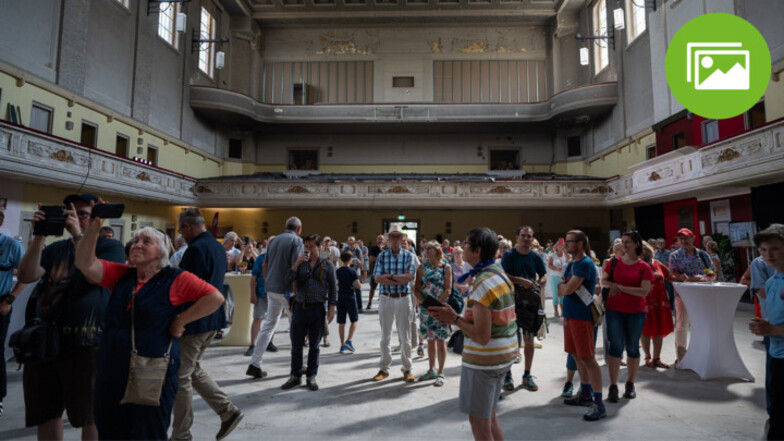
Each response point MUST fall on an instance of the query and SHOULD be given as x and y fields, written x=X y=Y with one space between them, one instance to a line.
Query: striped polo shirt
x=492 y=291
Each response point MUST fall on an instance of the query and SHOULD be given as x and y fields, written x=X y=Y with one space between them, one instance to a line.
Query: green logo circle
x=718 y=66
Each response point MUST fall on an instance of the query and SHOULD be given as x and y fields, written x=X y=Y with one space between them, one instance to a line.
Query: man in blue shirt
x=258 y=298
x=394 y=272
x=206 y=258
x=11 y=253
x=524 y=267
x=578 y=285
x=770 y=242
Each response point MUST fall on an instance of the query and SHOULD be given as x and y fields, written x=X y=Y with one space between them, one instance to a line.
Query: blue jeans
x=306 y=322
x=767 y=373
x=570 y=363
x=624 y=332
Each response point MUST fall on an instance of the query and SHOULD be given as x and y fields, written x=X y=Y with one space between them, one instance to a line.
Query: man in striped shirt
x=490 y=329
x=394 y=272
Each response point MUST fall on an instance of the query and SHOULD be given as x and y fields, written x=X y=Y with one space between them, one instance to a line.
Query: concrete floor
x=671 y=404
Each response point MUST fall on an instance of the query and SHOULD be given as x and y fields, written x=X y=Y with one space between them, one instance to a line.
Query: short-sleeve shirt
x=185 y=288
x=529 y=266
x=663 y=256
x=401 y=263
x=282 y=253
x=261 y=292
x=774 y=290
x=494 y=292
x=346 y=277
x=761 y=272
x=67 y=298
x=629 y=275
x=683 y=262
x=176 y=258
x=11 y=253
x=573 y=307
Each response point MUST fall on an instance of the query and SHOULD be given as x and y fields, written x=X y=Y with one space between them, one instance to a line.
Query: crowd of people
x=166 y=302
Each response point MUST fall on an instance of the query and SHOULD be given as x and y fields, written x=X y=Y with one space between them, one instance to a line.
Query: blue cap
x=84 y=197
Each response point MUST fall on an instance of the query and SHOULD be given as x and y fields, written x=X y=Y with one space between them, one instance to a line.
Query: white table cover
x=712 y=352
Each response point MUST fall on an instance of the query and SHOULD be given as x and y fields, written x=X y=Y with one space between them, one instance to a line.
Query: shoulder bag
x=146 y=375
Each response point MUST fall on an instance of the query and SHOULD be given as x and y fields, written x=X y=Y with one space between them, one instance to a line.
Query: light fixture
x=220 y=59
x=610 y=37
x=196 y=41
x=181 y=22
x=619 y=21
x=584 y=56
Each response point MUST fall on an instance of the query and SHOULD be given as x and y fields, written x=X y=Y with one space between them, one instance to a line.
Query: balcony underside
x=572 y=107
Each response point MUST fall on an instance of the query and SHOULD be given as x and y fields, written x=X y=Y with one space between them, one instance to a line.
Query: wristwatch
x=8 y=298
x=454 y=322
x=78 y=236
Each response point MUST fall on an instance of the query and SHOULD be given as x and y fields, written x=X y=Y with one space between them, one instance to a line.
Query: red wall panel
x=671 y=225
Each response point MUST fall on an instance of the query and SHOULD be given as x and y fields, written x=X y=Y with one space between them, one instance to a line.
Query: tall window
x=600 y=53
x=636 y=10
x=41 y=118
x=206 y=50
x=166 y=18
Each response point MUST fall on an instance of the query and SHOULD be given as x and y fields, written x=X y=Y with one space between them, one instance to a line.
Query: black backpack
x=37 y=342
x=528 y=308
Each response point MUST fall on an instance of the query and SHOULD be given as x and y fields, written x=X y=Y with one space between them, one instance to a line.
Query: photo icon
x=717 y=66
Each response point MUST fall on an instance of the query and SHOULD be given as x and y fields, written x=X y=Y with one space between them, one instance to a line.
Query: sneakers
x=408 y=377
x=229 y=425
x=630 y=393
x=350 y=346
x=420 y=350
x=250 y=350
x=380 y=376
x=311 y=383
x=612 y=395
x=344 y=349
x=595 y=413
x=293 y=381
x=579 y=400
x=272 y=348
x=528 y=383
x=255 y=372
x=508 y=383
x=537 y=343
x=568 y=390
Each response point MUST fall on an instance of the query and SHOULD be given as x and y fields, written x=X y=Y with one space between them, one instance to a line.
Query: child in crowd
x=348 y=281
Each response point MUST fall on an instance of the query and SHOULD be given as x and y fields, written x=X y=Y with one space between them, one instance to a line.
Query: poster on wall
x=742 y=233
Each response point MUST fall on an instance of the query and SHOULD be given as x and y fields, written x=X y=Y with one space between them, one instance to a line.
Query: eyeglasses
x=83 y=214
x=570 y=241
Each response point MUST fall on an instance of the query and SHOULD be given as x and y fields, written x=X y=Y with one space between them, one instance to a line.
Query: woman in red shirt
x=626 y=310
x=156 y=301
x=658 y=321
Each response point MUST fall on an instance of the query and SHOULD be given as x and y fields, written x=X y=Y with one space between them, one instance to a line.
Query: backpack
x=37 y=342
x=528 y=307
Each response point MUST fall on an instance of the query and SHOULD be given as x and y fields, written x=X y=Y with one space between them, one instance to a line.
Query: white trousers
x=276 y=304
x=395 y=311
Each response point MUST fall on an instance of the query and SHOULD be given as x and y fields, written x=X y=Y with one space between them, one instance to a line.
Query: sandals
x=649 y=363
x=439 y=380
x=658 y=363
x=430 y=375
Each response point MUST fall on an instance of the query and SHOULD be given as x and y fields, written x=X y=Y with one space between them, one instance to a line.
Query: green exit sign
x=401 y=217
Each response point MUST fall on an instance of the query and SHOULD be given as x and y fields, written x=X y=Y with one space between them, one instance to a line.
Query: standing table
x=712 y=352
x=239 y=333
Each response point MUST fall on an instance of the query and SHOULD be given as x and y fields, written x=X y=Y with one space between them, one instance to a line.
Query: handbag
x=37 y=342
x=606 y=291
x=455 y=299
x=146 y=375
x=597 y=310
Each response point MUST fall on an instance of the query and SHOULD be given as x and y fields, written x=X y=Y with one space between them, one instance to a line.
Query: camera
x=54 y=224
x=107 y=211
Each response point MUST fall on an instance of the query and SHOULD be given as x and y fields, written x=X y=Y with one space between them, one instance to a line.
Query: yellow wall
x=618 y=161
x=110 y=124
x=549 y=224
x=774 y=99
x=162 y=216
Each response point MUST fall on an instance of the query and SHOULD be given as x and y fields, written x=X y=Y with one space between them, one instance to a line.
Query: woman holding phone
x=433 y=279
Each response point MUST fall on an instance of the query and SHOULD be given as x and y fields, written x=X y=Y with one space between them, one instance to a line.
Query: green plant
x=726 y=255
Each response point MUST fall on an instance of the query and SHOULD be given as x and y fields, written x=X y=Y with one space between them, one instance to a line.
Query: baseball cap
x=84 y=197
x=685 y=232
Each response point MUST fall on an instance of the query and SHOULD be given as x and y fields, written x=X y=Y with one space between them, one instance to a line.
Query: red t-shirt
x=185 y=288
x=628 y=275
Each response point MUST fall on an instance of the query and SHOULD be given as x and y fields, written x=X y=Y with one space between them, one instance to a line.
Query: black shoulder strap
x=503 y=276
x=704 y=258
x=613 y=262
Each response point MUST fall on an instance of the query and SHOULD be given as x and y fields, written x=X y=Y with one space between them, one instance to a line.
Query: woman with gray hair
x=145 y=314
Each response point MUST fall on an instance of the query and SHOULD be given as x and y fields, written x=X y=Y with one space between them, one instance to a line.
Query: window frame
x=127 y=145
x=292 y=150
x=49 y=124
x=173 y=41
x=601 y=52
x=206 y=64
x=152 y=148
x=704 y=128
x=633 y=11
x=518 y=160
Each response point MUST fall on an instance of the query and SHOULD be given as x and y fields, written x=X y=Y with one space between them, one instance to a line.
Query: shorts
x=347 y=304
x=480 y=390
x=578 y=337
x=67 y=383
x=260 y=309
